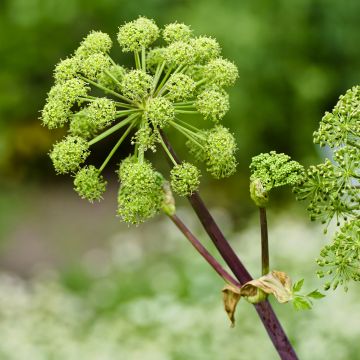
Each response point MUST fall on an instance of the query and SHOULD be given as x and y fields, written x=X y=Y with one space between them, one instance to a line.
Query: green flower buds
x=179 y=52
x=101 y=112
x=213 y=104
x=180 y=87
x=159 y=111
x=135 y=35
x=136 y=85
x=221 y=72
x=66 y=69
x=89 y=184
x=184 y=179
x=176 y=32
x=258 y=193
x=95 y=43
x=274 y=170
x=117 y=72
x=60 y=99
x=82 y=126
x=205 y=49
x=68 y=154
x=141 y=194
x=94 y=65
x=155 y=58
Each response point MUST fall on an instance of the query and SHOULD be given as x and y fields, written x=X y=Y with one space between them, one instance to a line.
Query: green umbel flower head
x=68 y=154
x=141 y=193
x=181 y=76
x=137 y=34
x=89 y=184
x=176 y=32
x=185 y=179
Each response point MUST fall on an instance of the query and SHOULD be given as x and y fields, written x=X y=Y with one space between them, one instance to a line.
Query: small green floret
x=96 y=42
x=89 y=183
x=94 y=65
x=176 y=32
x=274 y=170
x=68 y=154
x=101 y=112
x=135 y=35
x=82 y=126
x=221 y=72
x=141 y=194
x=154 y=58
x=219 y=152
x=205 y=49
x=185 y=179
x=66 y=69
x=180 y=53
x=180 y=87
x=136 y=85
x=159 y=111
x=117 y=72
x=213 y=104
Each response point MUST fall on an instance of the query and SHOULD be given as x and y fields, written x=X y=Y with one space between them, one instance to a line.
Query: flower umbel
x=185 y=75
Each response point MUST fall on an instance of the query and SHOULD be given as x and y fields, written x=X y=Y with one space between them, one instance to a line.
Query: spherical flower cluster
x=221 y=72
x=60 y=99
x=176 y=32
x=96 y=42
x=141 y=194
x=185 y=179
x=342 y=126
x=89 y=183
x=180 y=87
x=274 y=170
x=220 y=148
x=159 y=111
x=81 y=125
x=205 y=49
x=94 y=65
x=101 y=112
x=136 y=84
x=213 y=104
x=111 y=79
x=184 y=75
x=180 y=52
x=68 y=154
x=135 y=35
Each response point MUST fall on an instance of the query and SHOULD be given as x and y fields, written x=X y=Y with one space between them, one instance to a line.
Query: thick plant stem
x=202 y=250
x=265 y=268
x=264 y=309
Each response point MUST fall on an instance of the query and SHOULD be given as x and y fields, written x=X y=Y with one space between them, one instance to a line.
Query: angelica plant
x=332 y=190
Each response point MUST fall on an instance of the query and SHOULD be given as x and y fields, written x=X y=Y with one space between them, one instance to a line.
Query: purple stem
x=203 y=252
x=264 y=309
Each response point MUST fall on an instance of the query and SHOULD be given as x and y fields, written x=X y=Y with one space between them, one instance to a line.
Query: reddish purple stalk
x=264 y=309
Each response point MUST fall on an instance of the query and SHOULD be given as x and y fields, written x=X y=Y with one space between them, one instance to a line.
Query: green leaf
x=301 y=303
x=298 y=285
x=316 y=294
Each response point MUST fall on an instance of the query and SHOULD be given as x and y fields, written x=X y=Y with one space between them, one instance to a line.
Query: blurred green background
x=294 y=58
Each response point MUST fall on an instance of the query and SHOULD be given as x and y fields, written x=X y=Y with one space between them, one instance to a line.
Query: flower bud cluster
x=185 y=179
x=136 y=85
x=340 y=260
x=159 y=111
x=89 y=183
x=141 y=195
x=176 y=32
x=342 y=126
x=135 y=35
x=180 y=87
x=101 y=112
x=274 y=170
x=221 y=72
x=108 y=81
x=96 y=42
x=81 y=125
x=213 y=104
x=68 y=154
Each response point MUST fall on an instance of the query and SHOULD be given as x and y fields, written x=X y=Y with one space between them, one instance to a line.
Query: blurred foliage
x=294 y=59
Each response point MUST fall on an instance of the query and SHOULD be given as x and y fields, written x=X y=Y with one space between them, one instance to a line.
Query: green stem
x=143 y=58
x=127 y=112
x=137 y=60
x=185 y=133
x=265 y=267
x=158 y=73
x=167 y=151
x=105 y=89
x=179 y=111
x=164 y=80
x=112 y=152
x=113 y=129
x=190 y=127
